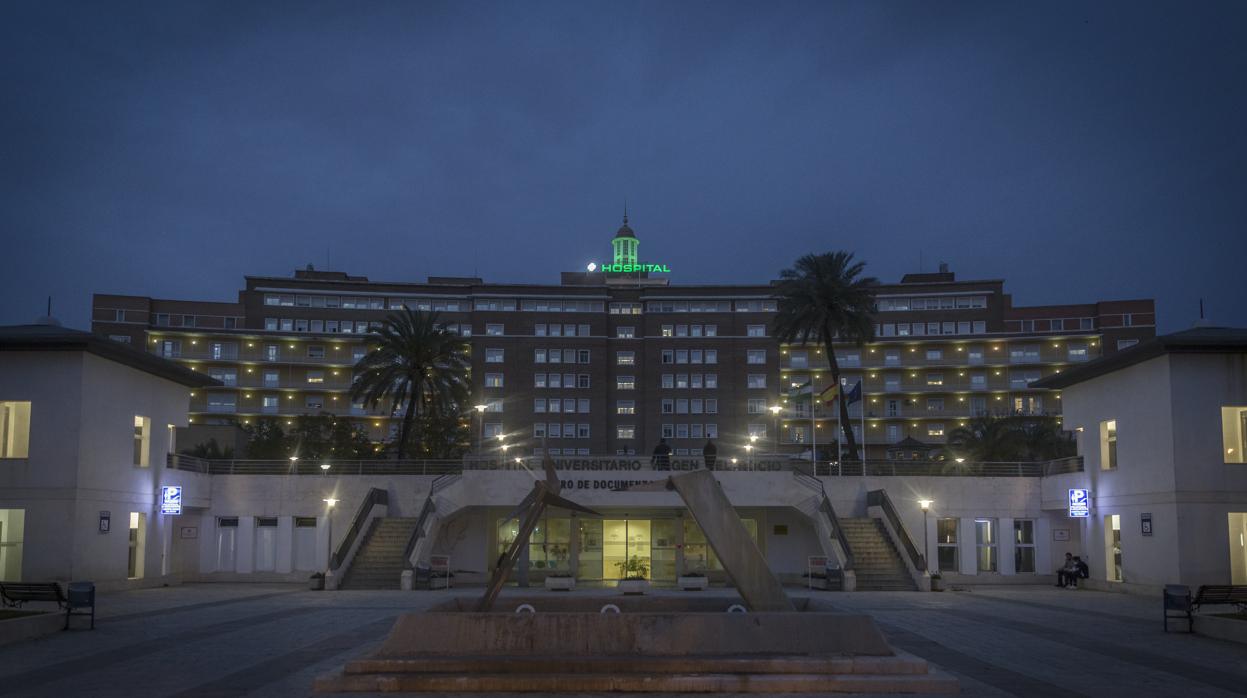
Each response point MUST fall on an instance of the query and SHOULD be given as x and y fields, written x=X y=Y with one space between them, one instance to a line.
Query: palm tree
x=824 y=298
x=418 y=365
x=986 y=440
x=1043 y=439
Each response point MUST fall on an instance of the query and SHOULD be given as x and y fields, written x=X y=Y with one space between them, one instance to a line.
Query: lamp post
x=480 y=435
x=749 y=453
x=775 y=409
x=926 y=541
x=329 y=503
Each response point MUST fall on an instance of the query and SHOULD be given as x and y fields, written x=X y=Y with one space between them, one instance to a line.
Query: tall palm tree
x=824 y=298
x=418 y=365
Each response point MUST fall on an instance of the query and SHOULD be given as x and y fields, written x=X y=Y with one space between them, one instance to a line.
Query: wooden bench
x=14 y=594
x=1221 y=594
x=81 y=596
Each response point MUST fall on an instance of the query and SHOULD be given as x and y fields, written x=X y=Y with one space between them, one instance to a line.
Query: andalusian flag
x=829 y=394
x=802 y=391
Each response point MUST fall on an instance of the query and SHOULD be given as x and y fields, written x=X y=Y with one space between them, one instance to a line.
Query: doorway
x=137 y=545
x=1238 y=548
x=1112 y=547
x=626 y=548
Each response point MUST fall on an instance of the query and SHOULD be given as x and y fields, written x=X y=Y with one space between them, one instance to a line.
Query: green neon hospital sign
x=621 y=268
x=626 y=261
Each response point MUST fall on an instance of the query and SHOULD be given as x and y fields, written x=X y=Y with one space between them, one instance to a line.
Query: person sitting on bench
x=1082 y=571
x=1067 y=574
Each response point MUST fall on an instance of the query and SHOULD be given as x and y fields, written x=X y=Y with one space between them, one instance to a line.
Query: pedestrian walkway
x=206 y=640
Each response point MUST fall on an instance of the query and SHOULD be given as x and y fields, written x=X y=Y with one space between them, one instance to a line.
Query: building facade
x=612 y=359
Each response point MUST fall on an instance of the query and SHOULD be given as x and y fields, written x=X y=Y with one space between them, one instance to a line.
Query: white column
x=244 y=546
x=285 y=544
x=967 y=549
x=1007 y=564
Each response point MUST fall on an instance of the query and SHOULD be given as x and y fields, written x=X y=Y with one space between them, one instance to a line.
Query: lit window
x=1234 y=433
x=14 y=430
x=493 y=380
x=142 y=441
x=755 y=356
x=1108 y=444
x=625 y=407
x=625 y=383
x=493 y=356
x=625 y=431
x=493 y=330
x=315 y=376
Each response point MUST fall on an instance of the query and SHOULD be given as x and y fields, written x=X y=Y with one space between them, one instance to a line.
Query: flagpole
x=813 y=434
x=841 y=399
x=863 y=384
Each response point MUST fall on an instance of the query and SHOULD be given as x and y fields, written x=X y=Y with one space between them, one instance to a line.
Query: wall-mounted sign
x=634 y=268
x=1145 y=520
x=171 y=500
x=105 y=521
x=1079 y=503
x=1060 y=534
x=189 y=532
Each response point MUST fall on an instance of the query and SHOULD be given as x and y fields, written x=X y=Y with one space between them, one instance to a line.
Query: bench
x=1178 y=598
x=81 y=596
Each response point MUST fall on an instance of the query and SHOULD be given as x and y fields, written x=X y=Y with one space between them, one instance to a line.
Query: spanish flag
x=829 y=394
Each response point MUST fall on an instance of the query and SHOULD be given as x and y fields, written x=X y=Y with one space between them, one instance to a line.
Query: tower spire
x=625 y=212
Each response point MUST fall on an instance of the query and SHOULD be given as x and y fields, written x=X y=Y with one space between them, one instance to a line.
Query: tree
x=310 y=437
x=265 y=440
x=986 y=440
x=348 y=441
x=210 y=450
x=418 y=367
x=1042 y=439
x=824 y=298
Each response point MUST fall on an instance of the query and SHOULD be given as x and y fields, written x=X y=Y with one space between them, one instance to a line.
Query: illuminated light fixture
x=775 y=409
x=324 y=466
x=733 y=460
x=247 y=395
x=872 y=351
x=292 y=346
x=289 y=423
x=517 y=458
x=192 y=393
x=293 y=458
x=248 y=370
x=961 y=348
x=753 y=438
x=376 y=424
x=996 y=348
x=330 y=501
x=1078 y=429
x=335 y=398
x=592 y=266
x=480 y=408
x=925 y=504
x=194 y=341
x=192 y=419
x=501 y=437
x=250 y=344
x=960 y=460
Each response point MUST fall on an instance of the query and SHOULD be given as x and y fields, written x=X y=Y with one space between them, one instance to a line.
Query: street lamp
x=329 y=502
x=775 y=409
x=749 y=451
x=480 y=412
x=325 y=467
x=926 y=541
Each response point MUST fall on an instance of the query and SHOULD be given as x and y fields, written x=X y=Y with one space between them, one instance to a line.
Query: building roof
x=624 y=231
x=1199 y=340
x=56 y=338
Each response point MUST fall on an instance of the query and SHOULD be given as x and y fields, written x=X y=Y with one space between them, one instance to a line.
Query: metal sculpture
x=545 y=493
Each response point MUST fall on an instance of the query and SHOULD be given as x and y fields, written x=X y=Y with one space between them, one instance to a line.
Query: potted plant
x=693 y=581
x=316 y=582
x=937 y=583
x=633 y=574
x=560 y=581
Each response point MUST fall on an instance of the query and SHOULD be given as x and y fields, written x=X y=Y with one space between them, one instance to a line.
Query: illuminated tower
x=625 y=244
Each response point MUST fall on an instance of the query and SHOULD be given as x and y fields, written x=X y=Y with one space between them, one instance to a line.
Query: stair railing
x=824 y=505
x=440 y=483
x=375 y=497
x=879 y=498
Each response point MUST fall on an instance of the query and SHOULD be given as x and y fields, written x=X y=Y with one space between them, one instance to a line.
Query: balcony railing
x=623 y=464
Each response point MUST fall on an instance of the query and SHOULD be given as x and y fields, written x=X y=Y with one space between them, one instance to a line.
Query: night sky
x=1080 y=151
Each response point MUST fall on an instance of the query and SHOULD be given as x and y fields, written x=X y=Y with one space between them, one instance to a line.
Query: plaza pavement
x=202 y=640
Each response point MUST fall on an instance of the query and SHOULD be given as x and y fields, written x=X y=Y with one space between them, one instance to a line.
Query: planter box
x=694 y=583
x=316 y=583
x=560 y=583
x=633 y=586
x=937 y=584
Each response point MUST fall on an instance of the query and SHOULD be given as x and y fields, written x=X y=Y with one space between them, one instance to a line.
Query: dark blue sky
x=1081 y=151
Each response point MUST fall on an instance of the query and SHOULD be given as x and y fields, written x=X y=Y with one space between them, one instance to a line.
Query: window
x=712 y=431
x=582 y=432
x=582 y=405
x=894 y=433
x=978 y=406
x=978 y=381
x=582 y=380
x=539 y=430
x=712 y=356
x=315 y=376
x=681 y=356
x=798 y=359
x=315 y=351
x=539 y=330
x=271 y=379
x=625 y=383
x=1112 y=547
x=269 y=404
x=227 y=376
x=681 y=381
x=985 y=540
x=223 y=350
x=625 y=407
x=1126 y=343
x=668 y=406
x=712 y=405
x=272 y=352
x=625 y=431
x=222 y=402
x=625 y=358
x=756 y=380
x=1021 y=379
x=980 y=327
x=892 y=357
x=756 y=406
x=668 y=431
x=681 y=431
x=946 y=544
x=1024 y=353
x=493 y=330
x=142 y=441
x=935 y=430
x=494 y=356
x=314 y=402
x=755 y=356
x=493 y=429
x=755 y=330
x=712 y=381
x=582 y=356
x=1024 y=546
x=935 y=404
x=1108 y=444
x=1234 y=433
x=681 y=330
x=625 y=332
x=493 y=380
x=935 y=354
x=14 y=431
x=851 y=359
x=758 y=430
x=681 y=406
x=539 y=356
x=935 y=379
x=493 y=405
x=1077 y=352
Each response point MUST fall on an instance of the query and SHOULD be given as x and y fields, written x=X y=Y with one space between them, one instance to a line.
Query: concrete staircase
x=379 y=564
x=878 y=565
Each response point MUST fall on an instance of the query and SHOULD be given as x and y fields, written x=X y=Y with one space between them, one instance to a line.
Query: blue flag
x=855 y=393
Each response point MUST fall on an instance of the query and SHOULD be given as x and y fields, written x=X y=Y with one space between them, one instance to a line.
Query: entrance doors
x=626 y=548
x=1112 y=547
x=1238 y=548
x=138 y=544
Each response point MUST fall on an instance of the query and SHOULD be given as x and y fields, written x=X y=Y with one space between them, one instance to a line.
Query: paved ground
x=271 y=640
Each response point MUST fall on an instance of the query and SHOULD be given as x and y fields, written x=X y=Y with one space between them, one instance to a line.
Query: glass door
x=662 y=552
x=589 y=556
x=625 y=548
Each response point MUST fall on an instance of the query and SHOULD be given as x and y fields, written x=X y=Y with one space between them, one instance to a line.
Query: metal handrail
x=376 y=496
x=441 y=483
x=879 y=498
x=825 y=506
